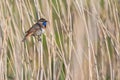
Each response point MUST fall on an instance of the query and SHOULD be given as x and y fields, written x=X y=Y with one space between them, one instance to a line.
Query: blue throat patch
x=44 y=23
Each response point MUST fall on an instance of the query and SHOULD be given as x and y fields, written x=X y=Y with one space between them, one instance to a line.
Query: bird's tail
x=24 y=39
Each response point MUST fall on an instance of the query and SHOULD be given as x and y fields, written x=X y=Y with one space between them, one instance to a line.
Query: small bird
x=37 y=29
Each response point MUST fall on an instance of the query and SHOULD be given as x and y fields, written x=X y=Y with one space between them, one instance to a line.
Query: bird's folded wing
x=34 y=28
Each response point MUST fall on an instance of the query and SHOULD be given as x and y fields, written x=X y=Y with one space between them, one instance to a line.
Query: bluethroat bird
x=37 y=29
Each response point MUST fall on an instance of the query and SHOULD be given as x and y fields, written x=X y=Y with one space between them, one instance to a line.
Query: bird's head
x=43 y=22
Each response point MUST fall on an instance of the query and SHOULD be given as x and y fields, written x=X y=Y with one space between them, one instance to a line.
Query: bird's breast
x=40 y=31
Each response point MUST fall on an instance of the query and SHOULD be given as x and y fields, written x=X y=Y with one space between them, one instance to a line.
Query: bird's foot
x=39 y=39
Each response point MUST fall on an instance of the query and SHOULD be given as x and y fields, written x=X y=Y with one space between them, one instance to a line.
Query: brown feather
x=31 y=31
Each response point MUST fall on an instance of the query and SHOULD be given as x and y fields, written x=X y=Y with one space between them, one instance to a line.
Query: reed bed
x=81 y=41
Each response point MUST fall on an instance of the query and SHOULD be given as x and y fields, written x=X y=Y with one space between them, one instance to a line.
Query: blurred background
x=81 y=41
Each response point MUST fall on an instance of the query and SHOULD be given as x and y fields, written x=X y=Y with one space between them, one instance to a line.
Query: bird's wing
x=34 y=28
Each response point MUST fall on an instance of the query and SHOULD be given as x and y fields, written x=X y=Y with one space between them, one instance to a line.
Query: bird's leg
x=39 y=37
